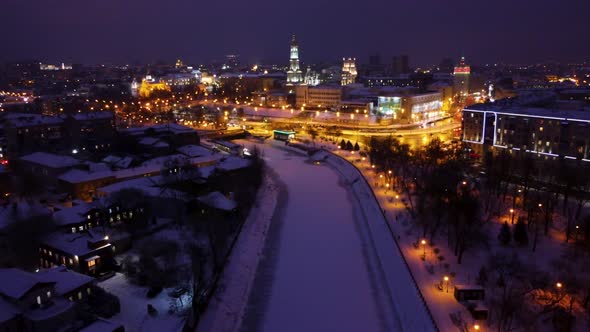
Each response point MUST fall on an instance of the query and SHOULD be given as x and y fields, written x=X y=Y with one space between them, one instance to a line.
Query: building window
x=73 y=229
x=48 y=294
x=39 y=300
x=71 y=262
x=88 y=290
x=79 y=295
x=91 y=263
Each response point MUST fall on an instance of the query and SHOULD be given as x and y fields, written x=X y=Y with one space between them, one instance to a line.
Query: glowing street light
x=446 y=280
x=423 y=242
x=476 y=327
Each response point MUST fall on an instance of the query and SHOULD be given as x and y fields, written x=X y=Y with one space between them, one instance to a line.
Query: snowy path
x=318 y=275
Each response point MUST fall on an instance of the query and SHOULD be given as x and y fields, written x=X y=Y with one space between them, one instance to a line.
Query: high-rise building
x=294 y=74
x=400 y=64
x=349 y=72
x=461 y=80
x=232 y=60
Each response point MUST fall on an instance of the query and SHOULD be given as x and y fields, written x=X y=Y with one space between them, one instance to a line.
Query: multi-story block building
x=548 y=132
x=32 y=132
x=410 y=106
x=325 y=97
x=91 y=131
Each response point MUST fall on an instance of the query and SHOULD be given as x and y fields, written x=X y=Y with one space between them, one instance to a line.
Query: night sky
x=134 y=31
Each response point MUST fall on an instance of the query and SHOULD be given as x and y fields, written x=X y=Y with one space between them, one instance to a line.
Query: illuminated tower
x=294 y=75
x=461 y=80
x=348 y=71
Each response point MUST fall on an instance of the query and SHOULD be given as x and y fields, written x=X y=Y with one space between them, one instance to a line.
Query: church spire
x=294 y=74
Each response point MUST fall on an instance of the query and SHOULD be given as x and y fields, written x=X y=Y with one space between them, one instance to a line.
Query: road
x=319 y=279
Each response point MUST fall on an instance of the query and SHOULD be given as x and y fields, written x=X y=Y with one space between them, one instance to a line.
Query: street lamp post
x=446 y=279
x=423 y=242
x=512 y=213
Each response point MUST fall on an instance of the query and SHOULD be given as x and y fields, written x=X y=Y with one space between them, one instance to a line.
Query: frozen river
x=319 y=277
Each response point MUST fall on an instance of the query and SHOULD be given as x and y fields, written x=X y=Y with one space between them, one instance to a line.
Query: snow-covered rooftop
x=148 y=140
x=20 y=120
x=80 y=176
x=233 y=163
x=14 y=283
x=149 y=185
x=161 y=161
x=120 y=162
x=93 y=115
x=72 y=243
x=64 y=279
x=194 y=150
x=72 y=215
x=172 y=127
x=51 y=160
x=572 y=115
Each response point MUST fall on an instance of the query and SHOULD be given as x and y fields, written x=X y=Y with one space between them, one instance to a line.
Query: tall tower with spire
x=461 y=80
x=294 y=74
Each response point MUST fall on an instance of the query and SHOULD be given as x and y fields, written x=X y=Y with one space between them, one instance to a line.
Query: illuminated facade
x=411 y=108
x=349 y=72
x=461 y=80
x=324 y=97
x=548 y=133
x=294 y=74
x=312 y=77
x=149 y=86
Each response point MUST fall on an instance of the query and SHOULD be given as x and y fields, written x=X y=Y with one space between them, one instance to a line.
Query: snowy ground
x=226 y=308
x=134 y=303
x=322 y=271
x=442 y=303
x=134 y=298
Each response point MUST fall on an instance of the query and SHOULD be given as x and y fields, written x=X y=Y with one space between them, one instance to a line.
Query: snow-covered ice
x=322 y=277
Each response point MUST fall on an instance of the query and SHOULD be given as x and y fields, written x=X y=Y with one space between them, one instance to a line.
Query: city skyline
x=149 y=31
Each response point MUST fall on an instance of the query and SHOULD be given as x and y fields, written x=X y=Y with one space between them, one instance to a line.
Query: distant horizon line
x=282 y=62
